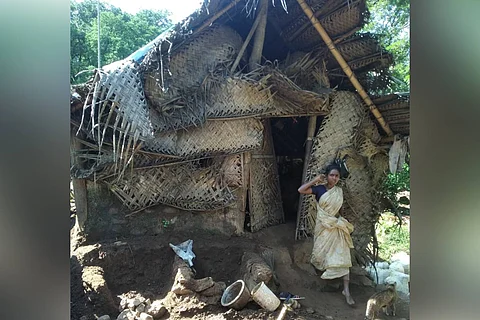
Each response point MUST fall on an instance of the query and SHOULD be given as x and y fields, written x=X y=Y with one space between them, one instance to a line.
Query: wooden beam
x=216 y=16
x=256 y=55
x=312 y=124
x=345 y=67
x=79 y=186
x=247 y=39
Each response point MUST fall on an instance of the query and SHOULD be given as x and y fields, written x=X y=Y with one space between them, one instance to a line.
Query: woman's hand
x=319 y=179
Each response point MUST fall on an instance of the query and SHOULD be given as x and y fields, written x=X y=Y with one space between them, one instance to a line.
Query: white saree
x=332 y=240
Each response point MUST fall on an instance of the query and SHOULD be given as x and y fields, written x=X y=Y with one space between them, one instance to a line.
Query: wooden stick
x=216 y=16
x=256 y=55
x=79 y=186
x=312 y=124
x=247 y=40
x=345 y=67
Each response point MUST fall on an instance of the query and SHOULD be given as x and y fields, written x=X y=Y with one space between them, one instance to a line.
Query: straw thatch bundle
x=303 y=69
x=215 y=137
x=291 y=100
x=177 y=106
x=188 y=186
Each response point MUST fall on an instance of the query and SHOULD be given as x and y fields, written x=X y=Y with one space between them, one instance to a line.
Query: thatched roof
x=181 y=97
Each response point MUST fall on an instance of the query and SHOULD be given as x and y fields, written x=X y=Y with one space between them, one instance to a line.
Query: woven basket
x=215 y=137
x=186 y=186
x=237 y=97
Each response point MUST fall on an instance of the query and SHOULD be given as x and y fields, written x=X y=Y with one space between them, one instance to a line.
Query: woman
x=332 y=241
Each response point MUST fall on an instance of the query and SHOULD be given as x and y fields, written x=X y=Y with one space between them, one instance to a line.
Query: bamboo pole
x=312 y=124
x=256 y=55
x=247 y=40
x=216 y=16
x=345 y=67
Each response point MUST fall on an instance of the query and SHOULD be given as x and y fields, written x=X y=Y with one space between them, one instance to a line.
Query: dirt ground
x=144 y=265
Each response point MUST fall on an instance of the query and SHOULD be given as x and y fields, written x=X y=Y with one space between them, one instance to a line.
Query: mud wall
x=109 y=219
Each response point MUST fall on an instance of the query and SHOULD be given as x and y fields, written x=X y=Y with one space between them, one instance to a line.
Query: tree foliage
x=394 y=184
x=390 y=19
x=121 y=34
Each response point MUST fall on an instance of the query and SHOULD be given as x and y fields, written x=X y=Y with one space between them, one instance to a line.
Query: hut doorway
x=289 y=137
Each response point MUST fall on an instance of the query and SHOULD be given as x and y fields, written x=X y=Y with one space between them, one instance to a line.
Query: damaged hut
x=226 y=114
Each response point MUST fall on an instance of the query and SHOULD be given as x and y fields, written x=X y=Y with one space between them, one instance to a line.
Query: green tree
x=121 y=34
x=390 y=19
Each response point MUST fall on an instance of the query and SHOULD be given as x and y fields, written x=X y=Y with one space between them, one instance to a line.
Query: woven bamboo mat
x=194 y=186
x=215 y=137
x=339 y=21
x=337 y=131
x=238 y=97
x=265 y=195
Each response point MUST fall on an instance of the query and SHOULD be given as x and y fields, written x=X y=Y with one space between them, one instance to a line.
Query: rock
x=329 y=317
x=145 y=316
x=126 y=314
x=215 y=290
x=105 y=317
x=198 y=285
x=96 y=288
x=397 y=266
x=310 y=310
x=381 y=265
x=133 y=303
x=141 y=308
x=157 y=309
x=83 y=318
x=401 y=256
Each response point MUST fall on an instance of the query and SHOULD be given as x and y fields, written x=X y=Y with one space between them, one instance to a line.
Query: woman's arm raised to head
x=306 y=188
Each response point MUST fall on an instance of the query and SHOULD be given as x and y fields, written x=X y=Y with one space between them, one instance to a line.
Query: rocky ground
x=103 y=274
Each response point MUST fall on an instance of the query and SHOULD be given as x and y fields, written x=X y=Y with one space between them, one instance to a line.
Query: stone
x=83 y=318
x=140 y=308
x=145 y=316
x=105 y=317
x=157 y=309
x=310 y=310
x=133 y=303
x=126 y=314
x=397 y=266
x=329 y=317
x=217 y=289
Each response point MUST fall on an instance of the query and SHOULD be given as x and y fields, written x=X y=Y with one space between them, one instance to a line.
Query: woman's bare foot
x=349 y=298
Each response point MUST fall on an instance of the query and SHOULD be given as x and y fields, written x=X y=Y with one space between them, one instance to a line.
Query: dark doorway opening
x=289 y=137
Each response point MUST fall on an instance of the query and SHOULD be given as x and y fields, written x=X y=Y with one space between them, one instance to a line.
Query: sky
x=179 y=8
